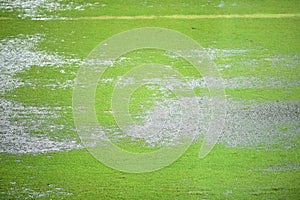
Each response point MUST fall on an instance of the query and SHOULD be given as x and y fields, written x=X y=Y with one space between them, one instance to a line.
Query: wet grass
x=226 y=173
x=264 y=94
x=72 y=40
x=270 y=47
x=166 y=7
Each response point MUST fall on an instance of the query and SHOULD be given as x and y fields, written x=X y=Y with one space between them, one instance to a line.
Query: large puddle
x=35 y=129
x=43 y=9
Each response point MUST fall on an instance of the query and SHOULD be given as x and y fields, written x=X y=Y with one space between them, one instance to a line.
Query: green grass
x=169 y=7
x=226 y=173
x=243 y=174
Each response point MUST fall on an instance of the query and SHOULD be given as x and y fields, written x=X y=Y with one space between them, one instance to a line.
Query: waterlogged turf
x=228 y=173
x=257 y=156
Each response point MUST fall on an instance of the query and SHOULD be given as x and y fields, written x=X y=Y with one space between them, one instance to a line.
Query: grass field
x=255 y=46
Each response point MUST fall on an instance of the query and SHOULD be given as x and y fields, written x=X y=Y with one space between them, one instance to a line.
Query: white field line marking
x=194 y=16
x=230 y=16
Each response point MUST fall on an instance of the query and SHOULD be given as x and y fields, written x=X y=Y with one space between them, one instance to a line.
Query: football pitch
x=141 y=103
